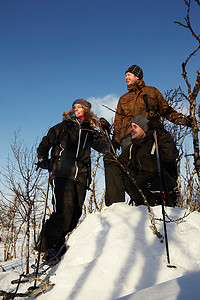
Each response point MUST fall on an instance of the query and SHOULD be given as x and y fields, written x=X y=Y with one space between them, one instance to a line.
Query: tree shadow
x=144 y=280
x=100 y=243
x=136 y=252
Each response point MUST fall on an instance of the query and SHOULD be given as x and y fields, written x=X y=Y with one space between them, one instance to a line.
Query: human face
x=78 y=109
x=137 y=132
x=130 y=78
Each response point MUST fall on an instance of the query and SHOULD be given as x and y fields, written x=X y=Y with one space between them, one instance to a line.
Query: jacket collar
x=137 y=86
x=140 y=142
x=76 y=120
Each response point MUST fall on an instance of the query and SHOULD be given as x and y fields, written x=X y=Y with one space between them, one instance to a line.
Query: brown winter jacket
x=132 y=104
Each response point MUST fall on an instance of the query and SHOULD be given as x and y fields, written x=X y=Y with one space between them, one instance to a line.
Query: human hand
x=105 y=125
x=46 y=164
x=154 y=124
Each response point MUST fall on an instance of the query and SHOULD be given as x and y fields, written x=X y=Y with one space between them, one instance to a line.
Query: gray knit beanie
x=137 y=71
x=142 y=122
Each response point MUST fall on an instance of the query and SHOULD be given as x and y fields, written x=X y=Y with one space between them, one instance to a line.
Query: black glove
x=116 y=145
x=46 y=164
x=197 y=163
x=154 y=124
x=188 y=120
x=105 y=125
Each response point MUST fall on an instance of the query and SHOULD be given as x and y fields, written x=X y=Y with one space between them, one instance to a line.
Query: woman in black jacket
x=70 y=142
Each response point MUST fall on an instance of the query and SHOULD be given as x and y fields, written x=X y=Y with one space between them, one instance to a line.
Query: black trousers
x=117 y=183
x=68 y=198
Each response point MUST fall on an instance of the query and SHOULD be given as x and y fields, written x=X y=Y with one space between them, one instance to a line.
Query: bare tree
x=192 y=93
x=23 y=189
x=93 y=198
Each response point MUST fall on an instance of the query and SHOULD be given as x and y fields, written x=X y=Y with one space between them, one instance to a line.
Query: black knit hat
x=137 y=71
x=142 y=122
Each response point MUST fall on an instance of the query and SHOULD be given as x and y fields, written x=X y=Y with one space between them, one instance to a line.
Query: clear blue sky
x=53 y=52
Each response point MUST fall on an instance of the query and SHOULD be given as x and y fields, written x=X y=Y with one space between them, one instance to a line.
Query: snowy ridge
x=114 y=255
x=183 y=288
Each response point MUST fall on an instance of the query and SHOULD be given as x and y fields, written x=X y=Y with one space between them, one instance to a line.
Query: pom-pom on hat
x=137 y=71
x=142 y=122
x=82 y=102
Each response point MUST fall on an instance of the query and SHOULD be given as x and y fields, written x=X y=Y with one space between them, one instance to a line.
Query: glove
x=46 y=164
x=197 y=163
x=188 y=121
x=154 y=124
x=116 y=145
x=105 y=125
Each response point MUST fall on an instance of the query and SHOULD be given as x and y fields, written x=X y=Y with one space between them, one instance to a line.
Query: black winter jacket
x=140 y=157
x=70 y=142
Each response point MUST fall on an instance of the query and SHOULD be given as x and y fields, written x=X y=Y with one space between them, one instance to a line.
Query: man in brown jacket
x=132 y=104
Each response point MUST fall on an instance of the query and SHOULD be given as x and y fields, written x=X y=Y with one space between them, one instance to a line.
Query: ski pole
x=162 y=199
x=41 y=234
x=160 y=181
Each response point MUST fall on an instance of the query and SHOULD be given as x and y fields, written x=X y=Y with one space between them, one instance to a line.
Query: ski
x=52 y=261
x=29 y=276
x=48 y=264
x=16 y=281
x=11 y=295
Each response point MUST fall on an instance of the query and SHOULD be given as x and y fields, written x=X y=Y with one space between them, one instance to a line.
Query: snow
x=114 y=254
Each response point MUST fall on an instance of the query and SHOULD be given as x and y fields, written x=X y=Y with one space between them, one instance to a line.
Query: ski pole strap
x=146 y=102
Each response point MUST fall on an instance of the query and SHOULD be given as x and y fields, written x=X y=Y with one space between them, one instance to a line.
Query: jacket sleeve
x=47 y=143
x=118 y=122
x=167 y=148
x=166 y=111
x=100 y=143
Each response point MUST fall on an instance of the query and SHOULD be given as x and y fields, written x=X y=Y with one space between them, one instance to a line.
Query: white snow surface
x=114 y=254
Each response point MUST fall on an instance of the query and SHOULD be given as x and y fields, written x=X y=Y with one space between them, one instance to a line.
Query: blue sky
x=53 y=52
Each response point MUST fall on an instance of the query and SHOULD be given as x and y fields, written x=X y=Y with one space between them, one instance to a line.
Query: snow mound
x=183 y=288
x=114 y=253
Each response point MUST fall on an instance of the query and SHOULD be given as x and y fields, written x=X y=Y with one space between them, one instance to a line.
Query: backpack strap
x=146 y=102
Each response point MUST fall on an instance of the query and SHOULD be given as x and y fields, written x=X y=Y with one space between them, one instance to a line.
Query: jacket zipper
x=77 y=152
x=60 y=153
x=85 y=140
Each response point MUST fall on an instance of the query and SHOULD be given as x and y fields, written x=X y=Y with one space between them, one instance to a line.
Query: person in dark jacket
x=132 y=104
x=140 y=160
x=70 y=142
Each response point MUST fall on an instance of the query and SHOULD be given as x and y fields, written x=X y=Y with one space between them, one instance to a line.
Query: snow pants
x=67 y=197
x=117 y=183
